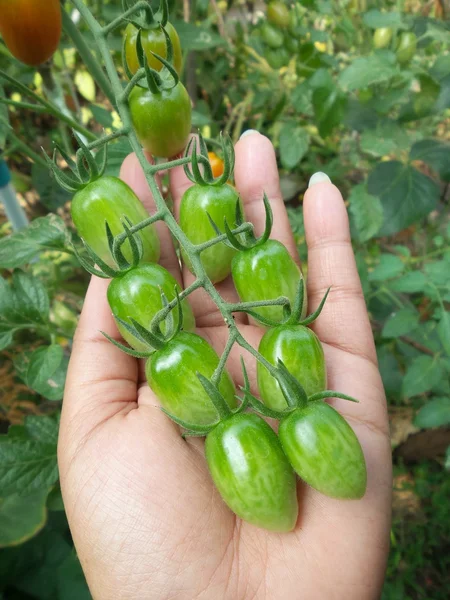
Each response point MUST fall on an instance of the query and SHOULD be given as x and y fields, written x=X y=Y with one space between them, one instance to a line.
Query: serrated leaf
x=22 y=517
x=423 y=373
x=436 y=413
x=389 y=266
x=44 y=370
x=44 y=233
x=410 y=283
x=51 y=194
x=28 y=463
x=434 y=153
x=400 y=323
x=329 y=108
x=376 y=19
x=405 y=194
x=366 y=211
x=294 y=143
x=31 y=298
x=368 y=70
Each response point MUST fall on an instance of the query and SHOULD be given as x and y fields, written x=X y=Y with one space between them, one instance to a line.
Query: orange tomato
x=216 y=164
x=31 y=29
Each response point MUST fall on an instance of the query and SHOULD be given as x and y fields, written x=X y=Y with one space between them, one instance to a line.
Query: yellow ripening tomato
x=31 y=29
x=216 y=164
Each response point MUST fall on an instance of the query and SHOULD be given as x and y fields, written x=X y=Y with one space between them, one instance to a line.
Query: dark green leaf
x=294 y=143
x=400 y=323
x=50 y=193
x=376 y=19
x=22 y=517
x=434 y=153
x=44 y=370
x=423 y=373
x=435 y=413
x=443 y=330
x=30 y=297
x=366 y=211
x=329 y=108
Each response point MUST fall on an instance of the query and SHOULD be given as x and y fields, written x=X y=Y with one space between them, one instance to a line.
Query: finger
x=205 y=310
x=131 y=172
x=344 y=322
x=101 y=379
x=256 y=172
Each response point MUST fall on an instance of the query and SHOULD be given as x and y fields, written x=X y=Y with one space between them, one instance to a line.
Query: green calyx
x=192 y=170
x=250 y=240
x=223 y=410
x=156 y=82
x=148 y=18
x=152 y=337
x=294 y=395
x=95 y=265
x=293 y=313
x=83 y=170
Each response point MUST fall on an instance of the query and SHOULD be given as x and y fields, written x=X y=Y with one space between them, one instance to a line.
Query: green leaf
x=437 y=271
x=410 y=283
x=294 y=143
x=435 y=413
x=6 y=336
x=435 y=153
x=388 y=267
x=44 y=233
x=400 y=323
x=423 y=373
x=368 y=70
x=31 y=298
x=51 y=194
x=71 y=581
x=102 y=115
x=390 y=371
x=28 y=458
x=117 y=153
x=385 y=138
x=329 y=108
x=405 y=194
x=44 y=370
x=376 y=19
x=193 y=37
x=366 y=211
x=443 y=330
x=22 y=517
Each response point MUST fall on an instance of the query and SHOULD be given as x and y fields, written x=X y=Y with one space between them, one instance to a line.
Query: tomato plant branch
x=100 y=142
x=142 y=5
x=224 y=357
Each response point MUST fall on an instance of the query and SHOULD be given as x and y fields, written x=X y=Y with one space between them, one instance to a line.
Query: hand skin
x=146 y=520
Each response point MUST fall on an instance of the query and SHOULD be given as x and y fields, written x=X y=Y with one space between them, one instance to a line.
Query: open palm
x=145 y=517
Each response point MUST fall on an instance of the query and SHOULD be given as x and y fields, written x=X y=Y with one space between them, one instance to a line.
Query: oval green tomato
x=278 y=14
x=219 y=202
x=137 y=294
x=406 y=47
x=172 y=374
x=277 y=58
x=382 y=37
x=251 y=472
x=153 y=40
x=266 y=272
x=111 y=199
x=324 y=450
x=163 y=120
x=301 y=351
x=292 y=45
x=271 y=36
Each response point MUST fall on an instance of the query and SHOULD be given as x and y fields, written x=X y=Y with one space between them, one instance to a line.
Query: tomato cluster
x=252 y=467
x=279 y=34
x=405 y=44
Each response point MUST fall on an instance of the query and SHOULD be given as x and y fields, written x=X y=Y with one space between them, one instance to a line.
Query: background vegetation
x=376 y=124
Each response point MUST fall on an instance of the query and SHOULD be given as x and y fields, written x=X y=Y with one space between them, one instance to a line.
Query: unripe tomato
x=137 y=294
x=278 y=14
x=301 y=351
x=31 y=29
x=111 y=199
x=219 y=202
x=277 y=58
x=172 y=374
x=324 y=450
x=382 y=37
x=163 y=120
x=153 y=40
x=292 y=44
x=271 y=36
x=266 y=272
x=406 y=47
x=251 y=472
x=216 y=164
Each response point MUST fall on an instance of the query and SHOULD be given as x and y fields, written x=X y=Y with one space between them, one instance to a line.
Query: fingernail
x=248 y=132
x=318 y=177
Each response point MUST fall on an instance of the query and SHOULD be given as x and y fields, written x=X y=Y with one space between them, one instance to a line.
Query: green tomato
x=406 y=47
x=292 y=44
x=324 y=450
x=382 y=37
x=153 y=40
x=277 y=58
x=251 y=472
x=172 y=374
x=219 y=202
x=278 y=14
x=266 y=272
x=294 y=19
x=163 y=120
x=137 y=294
x=301 y=351
x=111 y=199
x=271 y=36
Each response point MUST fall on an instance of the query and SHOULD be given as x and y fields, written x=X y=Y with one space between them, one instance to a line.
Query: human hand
x=146 y=519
